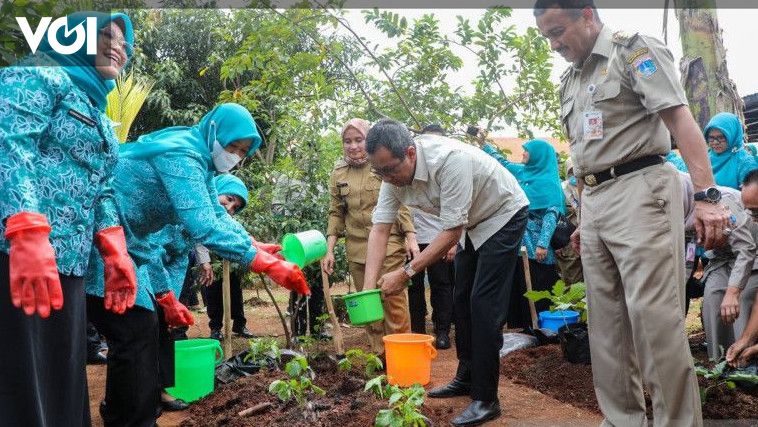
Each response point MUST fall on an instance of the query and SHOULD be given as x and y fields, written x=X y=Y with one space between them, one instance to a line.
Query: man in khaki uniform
x=354 y=191
x=620 y=98
x=569 y=262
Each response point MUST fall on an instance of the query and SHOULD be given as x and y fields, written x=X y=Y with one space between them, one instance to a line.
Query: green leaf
x=384 y=418
x=559 y=288
x=731 y=385
x=537 y=295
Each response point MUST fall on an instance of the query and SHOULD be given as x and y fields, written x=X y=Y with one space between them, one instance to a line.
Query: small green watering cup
x=303 y=248
x=195 y=368
x=364 y=307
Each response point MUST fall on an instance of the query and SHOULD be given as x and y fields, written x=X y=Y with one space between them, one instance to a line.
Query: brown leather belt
x=598 y=178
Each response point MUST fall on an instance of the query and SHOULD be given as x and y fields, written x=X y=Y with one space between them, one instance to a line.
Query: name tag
x=81 y=117
x=593 y=125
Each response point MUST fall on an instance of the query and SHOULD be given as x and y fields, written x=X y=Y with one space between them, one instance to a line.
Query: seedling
x=263 y=351
x=403 y=411
x=716 y=373
x=564 y=297
x=370 y=362
x=298 y=386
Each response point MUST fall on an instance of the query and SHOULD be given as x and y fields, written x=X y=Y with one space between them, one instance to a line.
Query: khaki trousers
x=632 y=246
x=570 y=265
x=396 y=316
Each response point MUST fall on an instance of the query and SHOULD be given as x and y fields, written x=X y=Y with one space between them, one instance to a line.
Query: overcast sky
x=738 y=25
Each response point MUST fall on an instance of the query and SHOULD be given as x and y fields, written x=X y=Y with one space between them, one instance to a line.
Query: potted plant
x=568 y=317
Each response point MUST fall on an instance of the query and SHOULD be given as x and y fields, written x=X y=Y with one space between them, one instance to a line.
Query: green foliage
x=404 y=404
x=370 y=362
x=263 y=350
x=298 y=386
x=564 y=298
x=716 y=373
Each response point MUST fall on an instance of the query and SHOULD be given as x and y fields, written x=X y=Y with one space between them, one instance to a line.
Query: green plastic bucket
x=303 y=248
x=195 y=368
x=364 y=307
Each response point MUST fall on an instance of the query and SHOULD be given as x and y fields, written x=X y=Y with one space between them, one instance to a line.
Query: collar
x=603 y=46
x=422 y=170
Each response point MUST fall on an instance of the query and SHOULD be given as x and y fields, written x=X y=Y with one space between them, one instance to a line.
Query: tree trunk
x=704 y=73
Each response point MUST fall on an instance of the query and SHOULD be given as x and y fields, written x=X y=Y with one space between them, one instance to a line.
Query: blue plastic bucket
x=555 y=319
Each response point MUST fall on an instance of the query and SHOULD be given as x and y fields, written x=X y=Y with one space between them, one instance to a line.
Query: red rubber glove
x=175 y=313
x=271 y=248
x=283 y=273
x=120 y=279
x=34 y=281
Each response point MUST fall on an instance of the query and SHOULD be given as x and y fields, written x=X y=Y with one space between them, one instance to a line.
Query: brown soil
x=544 y=369
x=339 y=407
x=521 y=404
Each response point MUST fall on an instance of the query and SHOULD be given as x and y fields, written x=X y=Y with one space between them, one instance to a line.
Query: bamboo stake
x=227 y=302
x=528 y=278
x=336 y=331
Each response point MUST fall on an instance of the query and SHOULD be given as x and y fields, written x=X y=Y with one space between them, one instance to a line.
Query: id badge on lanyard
x=592 y=122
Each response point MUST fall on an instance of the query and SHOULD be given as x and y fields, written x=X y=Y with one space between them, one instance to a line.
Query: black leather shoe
x=478 y=412
x=96 y=358
x=442 y=342
x=174 y=405
x=243 y=333
x=455 y=388
x=216 y=334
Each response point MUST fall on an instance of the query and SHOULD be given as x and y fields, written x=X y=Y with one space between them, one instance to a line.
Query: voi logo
x=86 y=32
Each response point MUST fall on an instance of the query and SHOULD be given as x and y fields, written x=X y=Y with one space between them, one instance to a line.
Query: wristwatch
x=409 y=270
x=710 y=195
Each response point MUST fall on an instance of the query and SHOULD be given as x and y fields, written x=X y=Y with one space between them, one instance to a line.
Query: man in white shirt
x=480 y=204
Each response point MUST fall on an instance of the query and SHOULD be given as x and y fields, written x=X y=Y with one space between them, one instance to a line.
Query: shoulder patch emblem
x=636 y=54
x=644 y=66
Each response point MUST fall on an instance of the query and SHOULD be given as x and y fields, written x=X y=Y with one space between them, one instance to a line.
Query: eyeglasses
x=719 y=139
x=387 y=170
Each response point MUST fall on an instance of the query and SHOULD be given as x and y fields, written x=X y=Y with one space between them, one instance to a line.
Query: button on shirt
x=629 y=79
x=458 y=183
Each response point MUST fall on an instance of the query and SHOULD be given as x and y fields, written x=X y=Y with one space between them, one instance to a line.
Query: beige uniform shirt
x=460 y=184
x=354 y=192
x=628 y=79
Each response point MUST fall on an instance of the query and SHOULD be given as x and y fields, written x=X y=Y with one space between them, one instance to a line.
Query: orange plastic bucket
x=409 y=358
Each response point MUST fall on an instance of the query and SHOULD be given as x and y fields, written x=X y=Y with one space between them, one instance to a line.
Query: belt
x=598 y=178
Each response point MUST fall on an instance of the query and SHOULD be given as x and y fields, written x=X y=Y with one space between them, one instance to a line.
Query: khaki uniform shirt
x=458 y=183
x=629 y=79
x=354 y=192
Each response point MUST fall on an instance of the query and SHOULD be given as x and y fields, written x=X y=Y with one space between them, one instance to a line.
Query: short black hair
x=573 y=6
x=751 y=178
x=433 y=128
x=390 y=134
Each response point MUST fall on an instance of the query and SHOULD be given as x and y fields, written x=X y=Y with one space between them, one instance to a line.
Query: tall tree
x=704 y=72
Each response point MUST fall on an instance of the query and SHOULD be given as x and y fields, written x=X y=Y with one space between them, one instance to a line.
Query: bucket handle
x=219 y=353
x=432 y=350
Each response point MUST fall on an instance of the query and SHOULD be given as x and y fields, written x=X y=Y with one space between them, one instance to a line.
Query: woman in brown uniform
x=354 y=190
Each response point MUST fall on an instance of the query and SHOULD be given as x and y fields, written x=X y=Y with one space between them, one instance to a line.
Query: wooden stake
x=336 y=331
x=528 y=278
x=227 y=302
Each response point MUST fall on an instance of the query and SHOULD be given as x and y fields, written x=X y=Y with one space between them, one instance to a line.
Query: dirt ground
x=522 y=405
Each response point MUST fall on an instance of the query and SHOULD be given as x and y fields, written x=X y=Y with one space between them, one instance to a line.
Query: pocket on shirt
x=607 y=91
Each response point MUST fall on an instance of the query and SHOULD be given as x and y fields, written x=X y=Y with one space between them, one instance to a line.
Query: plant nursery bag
x=575 y=343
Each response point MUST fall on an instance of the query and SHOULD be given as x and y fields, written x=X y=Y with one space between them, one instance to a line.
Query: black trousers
x=43 y=376
x=140 y=363
x=543 y=278
x=441 y=281
x=315 y=307
x=214 y=298
x=483 y=280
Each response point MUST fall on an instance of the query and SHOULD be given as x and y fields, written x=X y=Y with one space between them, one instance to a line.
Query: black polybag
x=575 y=343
